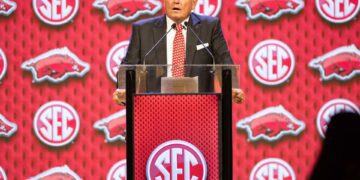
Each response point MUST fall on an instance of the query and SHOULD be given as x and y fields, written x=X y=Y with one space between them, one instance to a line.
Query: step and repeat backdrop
x=300 y=64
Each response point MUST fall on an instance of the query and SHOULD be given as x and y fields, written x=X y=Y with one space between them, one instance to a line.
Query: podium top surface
x=198 y=78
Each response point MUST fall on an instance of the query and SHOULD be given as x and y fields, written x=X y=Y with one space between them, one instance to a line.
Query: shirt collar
x=169 y=22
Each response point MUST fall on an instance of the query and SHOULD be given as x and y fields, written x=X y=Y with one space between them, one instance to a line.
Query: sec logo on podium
x=176 y=159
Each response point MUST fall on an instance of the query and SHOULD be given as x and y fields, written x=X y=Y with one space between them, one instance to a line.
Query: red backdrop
x=23 y=36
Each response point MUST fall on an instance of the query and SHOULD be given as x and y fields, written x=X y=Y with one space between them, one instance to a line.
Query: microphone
x=202 y=43
x=173 y=26
x=212 y=71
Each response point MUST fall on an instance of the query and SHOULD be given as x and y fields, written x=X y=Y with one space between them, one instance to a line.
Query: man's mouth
x=176 y=9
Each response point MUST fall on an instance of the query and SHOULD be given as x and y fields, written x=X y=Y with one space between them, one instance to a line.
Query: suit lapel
x=159 y=30
x=191 y=40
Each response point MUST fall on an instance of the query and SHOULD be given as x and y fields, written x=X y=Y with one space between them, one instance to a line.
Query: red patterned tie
x=178 y=53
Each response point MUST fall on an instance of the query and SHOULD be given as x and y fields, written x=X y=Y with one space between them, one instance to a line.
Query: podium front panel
x=182 y=117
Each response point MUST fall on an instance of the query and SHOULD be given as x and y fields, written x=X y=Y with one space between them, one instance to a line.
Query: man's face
x=178 y=10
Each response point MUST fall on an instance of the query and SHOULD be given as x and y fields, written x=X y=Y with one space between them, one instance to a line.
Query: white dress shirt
x=170 y=40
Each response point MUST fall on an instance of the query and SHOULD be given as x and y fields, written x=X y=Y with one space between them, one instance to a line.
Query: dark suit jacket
x=146 y=33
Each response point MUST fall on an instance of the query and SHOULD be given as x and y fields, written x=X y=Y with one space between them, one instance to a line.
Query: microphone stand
x=202 y=43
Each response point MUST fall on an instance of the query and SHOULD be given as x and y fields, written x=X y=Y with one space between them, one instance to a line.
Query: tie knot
x=179 y=27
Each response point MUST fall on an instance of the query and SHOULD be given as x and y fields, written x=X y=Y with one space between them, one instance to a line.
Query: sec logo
x=208 y=7
x=117 y=171
x=176 y=159
x=272 y=168
x=331 y=108
x=3 y=64
x=2 y=174
x=56 y=123
x=338 y=11
x=55 y=12
x=114 y=58
x=271 y=62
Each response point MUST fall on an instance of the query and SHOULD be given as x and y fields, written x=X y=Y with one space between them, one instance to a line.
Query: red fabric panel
x=161 y=118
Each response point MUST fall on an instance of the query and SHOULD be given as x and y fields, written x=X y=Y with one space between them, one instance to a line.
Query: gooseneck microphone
x=212 y=71
x=173 y=26
x=202 y=43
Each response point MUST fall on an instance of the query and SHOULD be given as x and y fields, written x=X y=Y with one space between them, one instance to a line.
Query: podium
x=178 y=128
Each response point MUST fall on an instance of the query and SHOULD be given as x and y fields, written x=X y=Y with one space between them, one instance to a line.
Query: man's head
x=179 y=10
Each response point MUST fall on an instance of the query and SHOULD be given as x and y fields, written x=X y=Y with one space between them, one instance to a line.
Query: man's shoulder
x=204 y=18
x=157 y=20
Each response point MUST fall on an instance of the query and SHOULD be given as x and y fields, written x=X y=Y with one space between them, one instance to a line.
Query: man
x=180 y=43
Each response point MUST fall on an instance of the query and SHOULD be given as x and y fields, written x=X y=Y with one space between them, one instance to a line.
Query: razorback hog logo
x=176 y=159
x=56 y=66
x=3 y=64
x=127 y=10
x=271 y=124
x=331 y=108
x=55 y=12
x=2 y=174
x=114 y=58
x=208 y=7
x=342 y=63
x=7 y=128
x=7 y=7
x=269 y=9
x=113 y=126
x=338 y=11
x=56 y=123
x=272 y=168
x=117 y=171
x=271 y=62
x=56 y=173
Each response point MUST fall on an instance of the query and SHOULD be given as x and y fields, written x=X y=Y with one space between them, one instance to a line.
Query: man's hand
x=119 y=96
x=238 y=96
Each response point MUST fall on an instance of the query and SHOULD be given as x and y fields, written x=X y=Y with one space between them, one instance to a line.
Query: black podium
x=178 y=128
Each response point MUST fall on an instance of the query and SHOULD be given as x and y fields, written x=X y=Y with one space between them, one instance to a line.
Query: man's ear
x=194 y=2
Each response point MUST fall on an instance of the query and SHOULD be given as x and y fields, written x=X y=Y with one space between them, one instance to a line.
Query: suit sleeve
x=132 y=57
x=133 y=52
x=220 y=49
